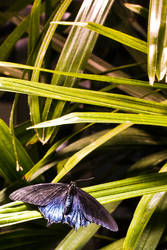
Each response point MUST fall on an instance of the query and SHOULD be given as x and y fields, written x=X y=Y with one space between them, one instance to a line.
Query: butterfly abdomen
x=69 y=199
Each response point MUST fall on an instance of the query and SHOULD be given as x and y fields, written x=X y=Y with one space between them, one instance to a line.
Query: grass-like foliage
x=89 y=83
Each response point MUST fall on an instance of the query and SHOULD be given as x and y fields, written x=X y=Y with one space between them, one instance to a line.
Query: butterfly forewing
x=39 y=194
x=95 y=212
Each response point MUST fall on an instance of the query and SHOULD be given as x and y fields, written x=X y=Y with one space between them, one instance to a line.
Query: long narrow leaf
x=11 y=40
x=33 y=100
x=116 y=35
x=80 y=43
x=98 y=117
x=156 y=39
x=34 y=25
x=94 y=77
x=8 y=162
x=144 y=211
x=83 y=96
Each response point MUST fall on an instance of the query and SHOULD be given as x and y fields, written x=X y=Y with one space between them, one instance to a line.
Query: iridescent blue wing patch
x=75 y=218
x=54 y=210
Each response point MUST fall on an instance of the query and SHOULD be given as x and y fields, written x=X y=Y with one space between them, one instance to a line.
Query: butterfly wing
x=75 y=218
x=40 y=194
x=54 y=210
x=94 y=212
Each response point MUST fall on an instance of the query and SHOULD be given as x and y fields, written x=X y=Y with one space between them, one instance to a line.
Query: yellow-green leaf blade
x=116 y=35
x=156 y=39
x=91 y=97
x=99 y=117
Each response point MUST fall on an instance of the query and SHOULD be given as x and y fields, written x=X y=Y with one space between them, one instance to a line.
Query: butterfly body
x=66 y=203
x=69 y=199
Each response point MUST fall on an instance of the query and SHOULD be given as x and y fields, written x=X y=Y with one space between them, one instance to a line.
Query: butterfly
x=65 y=203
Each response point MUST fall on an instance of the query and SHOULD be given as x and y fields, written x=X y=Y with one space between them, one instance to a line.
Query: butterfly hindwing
x=75 y=218
x=95 y=212
x=54 y=210
x=39 y=194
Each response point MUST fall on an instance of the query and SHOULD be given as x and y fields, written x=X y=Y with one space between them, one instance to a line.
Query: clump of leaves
x=94 y=73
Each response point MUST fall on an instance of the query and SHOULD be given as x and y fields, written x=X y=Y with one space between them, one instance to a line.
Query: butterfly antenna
x=86 y=179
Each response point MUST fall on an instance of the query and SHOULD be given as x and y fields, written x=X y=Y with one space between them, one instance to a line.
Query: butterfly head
x=72 y=184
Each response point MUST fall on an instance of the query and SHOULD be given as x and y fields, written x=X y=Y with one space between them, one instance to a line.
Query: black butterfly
x=65 y=203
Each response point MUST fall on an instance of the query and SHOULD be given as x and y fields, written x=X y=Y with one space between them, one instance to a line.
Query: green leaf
x=161 y=69
x=8 y=162
x=94 y=77
x=128 y=188
x=116 y=245
x=152 y=234
x=33 y=100
x=18 y=217
x=80 y=43
x=116 y=35
x=105 y=117
x=13 y=37
x=91 y=97
x=143 y=213
x=137 y=9
x=157 y=39
x=34 y=25
x=121 y=37
x=76 y=240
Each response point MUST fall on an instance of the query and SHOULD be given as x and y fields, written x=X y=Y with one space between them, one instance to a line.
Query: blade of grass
x=143 y=213
x=152 y=234
x=104 y=117
x=13 y=137
x=33 y=100
x=94 y=77
x=8 y=161
x=161 y=69
x=76 y=52
x=116 y=35
x=34 y=25
x=83 y=96
x=19 y=217
x=13 y=37
x=137 y=9
x=76 y=240
x=157 y=10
